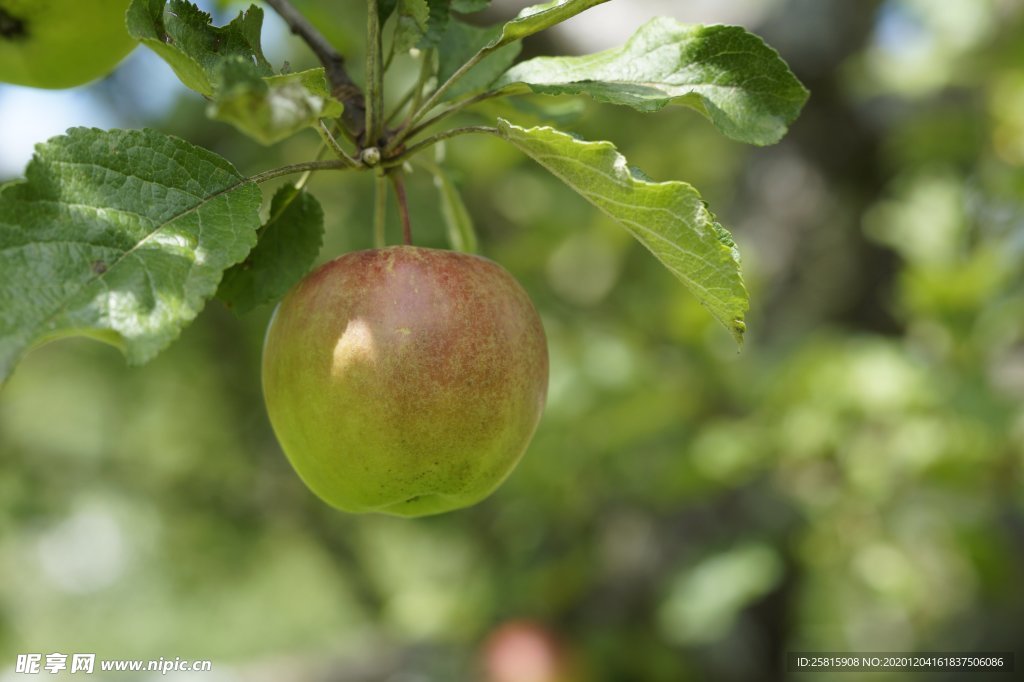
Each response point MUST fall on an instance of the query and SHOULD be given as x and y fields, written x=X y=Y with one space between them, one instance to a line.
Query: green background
x=851 y=481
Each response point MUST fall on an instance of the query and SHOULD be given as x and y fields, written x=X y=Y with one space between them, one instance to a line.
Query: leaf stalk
x=419 y=112
x=434 y=139
x=332 y=144
x=298 y=168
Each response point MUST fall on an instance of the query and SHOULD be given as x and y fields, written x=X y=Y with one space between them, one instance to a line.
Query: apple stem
x=403 y=205
x=380 y=210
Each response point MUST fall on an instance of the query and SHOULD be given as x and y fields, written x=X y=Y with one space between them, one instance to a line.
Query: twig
x=342 y=85
x=374 y=89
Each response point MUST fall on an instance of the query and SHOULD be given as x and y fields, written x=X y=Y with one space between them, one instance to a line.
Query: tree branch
x=374 y=78
x=342 y=85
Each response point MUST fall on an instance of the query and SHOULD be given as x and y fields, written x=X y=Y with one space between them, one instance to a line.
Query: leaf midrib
x=42 y=324
x=597 y=197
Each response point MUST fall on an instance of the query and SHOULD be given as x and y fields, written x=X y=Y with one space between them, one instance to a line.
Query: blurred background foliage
x=851 y=481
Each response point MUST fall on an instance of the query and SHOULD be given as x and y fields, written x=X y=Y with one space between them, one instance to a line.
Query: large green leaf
x=536 y=18
x=185 y=38
x=119 y=235
x=669 y=218
x=288 y=245
x=273 y=108
x=724 y=72
x=61 y=43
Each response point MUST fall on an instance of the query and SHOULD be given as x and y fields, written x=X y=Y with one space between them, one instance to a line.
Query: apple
x=61 y=43
x=527 y=651
x=405 y=380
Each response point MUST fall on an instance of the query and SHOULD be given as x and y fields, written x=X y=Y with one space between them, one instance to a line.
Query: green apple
x=61 y=43
x=405 y=380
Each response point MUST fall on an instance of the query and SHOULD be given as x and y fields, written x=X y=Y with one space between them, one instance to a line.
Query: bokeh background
x=851 y=481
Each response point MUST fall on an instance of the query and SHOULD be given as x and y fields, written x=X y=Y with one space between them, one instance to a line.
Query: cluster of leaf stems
x=376 y=144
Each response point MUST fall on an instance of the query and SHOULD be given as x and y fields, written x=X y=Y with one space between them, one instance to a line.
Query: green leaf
x=61 y=43
x=384 y=9
x=226 y=64
x=470 y=6
x=273 y=108
x=437 y=22
x=184 y=37
x=288 y=245
x=440 y=14
x=528 y=111
x=669 y=218
x=119 y=235
x=460 y=42
x=411 y=24
x=461 y=233
x=536 y=18
x=724 y=72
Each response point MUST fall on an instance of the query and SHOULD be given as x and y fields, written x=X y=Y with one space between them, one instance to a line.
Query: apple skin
x=405 y=380
x=528 y=651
